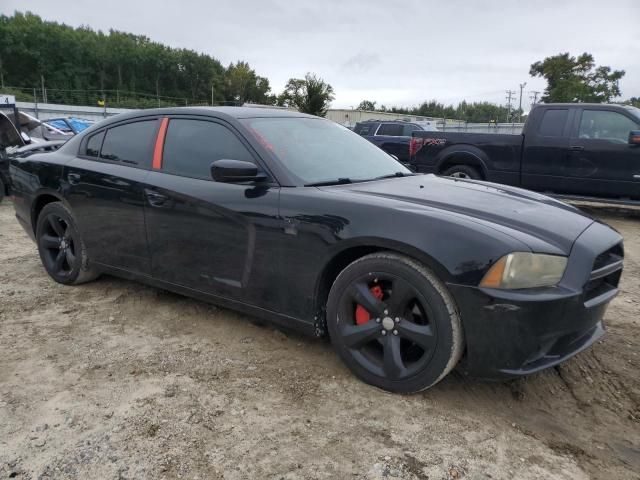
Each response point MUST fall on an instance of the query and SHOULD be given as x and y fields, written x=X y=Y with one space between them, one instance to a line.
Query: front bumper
x=511 y=333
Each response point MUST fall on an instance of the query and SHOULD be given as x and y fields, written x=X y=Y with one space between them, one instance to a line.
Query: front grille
x=605 y=258
x=605 y=276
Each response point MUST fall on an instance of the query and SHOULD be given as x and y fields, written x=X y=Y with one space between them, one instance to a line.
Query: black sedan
x=297 y=220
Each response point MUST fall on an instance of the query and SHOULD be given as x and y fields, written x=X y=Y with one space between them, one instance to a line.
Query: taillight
x=414 y=145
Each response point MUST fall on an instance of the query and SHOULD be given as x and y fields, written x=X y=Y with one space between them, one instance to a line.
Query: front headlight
x=525 y=270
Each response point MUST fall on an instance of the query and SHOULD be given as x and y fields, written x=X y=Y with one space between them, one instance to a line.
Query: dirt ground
x=114 y=380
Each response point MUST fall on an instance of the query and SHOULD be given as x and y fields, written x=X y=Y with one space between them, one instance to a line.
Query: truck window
x=365 y=128
x=553 y=122
x=408 y=129
x=603 y=125
x=390 y=129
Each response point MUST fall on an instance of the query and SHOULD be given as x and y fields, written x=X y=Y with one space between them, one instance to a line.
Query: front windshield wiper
x=335 y=181
x=393 y=175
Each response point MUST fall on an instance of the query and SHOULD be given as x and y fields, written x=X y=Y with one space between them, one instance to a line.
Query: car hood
x=520 y=211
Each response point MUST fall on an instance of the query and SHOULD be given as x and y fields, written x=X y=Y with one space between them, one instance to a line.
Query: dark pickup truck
x=573 y=150
x=391 y=136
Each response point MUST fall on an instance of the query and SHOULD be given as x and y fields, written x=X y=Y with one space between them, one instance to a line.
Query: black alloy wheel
x=60 y=246
x=393 y=323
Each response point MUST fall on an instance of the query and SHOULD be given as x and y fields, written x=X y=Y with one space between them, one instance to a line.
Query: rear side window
x=130 y=144
x=365 y=128
x=391 y=129
x=192 y=145
x=553 y=122
x=93 y=145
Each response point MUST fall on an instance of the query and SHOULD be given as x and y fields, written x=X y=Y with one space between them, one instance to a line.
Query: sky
x=395 y=53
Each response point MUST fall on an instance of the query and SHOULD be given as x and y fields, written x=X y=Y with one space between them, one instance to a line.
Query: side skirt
x=292 y=323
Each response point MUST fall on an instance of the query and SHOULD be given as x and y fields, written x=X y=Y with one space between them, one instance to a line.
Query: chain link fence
x=104 y=98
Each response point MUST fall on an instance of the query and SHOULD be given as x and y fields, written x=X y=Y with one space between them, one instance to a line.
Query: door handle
x=637 y=177
x=155 y=199
x=576 y=148
x=73 y=178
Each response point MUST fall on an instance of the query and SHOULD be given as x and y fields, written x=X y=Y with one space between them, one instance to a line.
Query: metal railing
x=103 y=98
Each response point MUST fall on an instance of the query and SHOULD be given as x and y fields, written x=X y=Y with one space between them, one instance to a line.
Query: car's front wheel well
x=37 y=207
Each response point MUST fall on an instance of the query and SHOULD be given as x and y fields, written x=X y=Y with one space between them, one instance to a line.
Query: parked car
x=391 y=136
x=10 y=141
x=297 y=220
x=16 y=144
x=72 y=125
x=580 y=150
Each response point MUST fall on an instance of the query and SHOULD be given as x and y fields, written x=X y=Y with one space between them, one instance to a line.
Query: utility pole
x=44 y=91
x=510 y=93
x=35 y=99
x=534 y=96
x=522 y=85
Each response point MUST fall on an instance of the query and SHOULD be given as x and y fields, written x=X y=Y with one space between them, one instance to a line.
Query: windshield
x=319 y=150
x=634 y=111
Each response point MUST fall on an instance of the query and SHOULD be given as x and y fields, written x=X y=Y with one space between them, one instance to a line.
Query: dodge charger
x=299 y=221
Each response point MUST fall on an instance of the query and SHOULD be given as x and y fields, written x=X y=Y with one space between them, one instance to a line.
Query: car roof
x=579 y=104
x=408 y=122
x=221 y=112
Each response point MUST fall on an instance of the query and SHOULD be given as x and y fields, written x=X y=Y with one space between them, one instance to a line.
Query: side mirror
x=235 y=171
x=634 y=137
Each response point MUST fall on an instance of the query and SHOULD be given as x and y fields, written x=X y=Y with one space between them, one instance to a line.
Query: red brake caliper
x=362 y=315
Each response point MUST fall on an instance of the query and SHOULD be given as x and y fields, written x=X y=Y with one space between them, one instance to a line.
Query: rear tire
x=463 y=171
x=409 y=335
x=61 y=248
x=2 y=190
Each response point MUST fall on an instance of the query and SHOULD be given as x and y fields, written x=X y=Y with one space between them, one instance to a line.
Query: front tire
x=2 y=190
x=61 y=248
x=393 y=323
x=463 y=171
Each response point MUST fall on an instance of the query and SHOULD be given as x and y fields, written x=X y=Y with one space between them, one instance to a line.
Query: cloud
x=373 y=49
x=362 y=62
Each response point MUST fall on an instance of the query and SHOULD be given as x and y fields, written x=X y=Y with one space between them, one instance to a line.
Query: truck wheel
x=394 y=323
x=2 y=190
x=462 y=171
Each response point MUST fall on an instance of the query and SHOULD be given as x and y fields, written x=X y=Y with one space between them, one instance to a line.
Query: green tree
x=634 y=101
x=577 y=79
x=310 y=95
x=243 y=85
x=476 y=112
x=367 y=105
x=79 y=64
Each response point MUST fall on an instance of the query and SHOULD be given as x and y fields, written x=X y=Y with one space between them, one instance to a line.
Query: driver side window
x=601 y=125
x=191 y=145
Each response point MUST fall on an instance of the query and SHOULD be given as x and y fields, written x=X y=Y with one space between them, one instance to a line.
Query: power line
x=510 y=93
x=534 y=96
x=522 y=85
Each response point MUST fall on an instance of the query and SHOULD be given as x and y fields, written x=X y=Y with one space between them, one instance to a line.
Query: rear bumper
x=515 y=333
